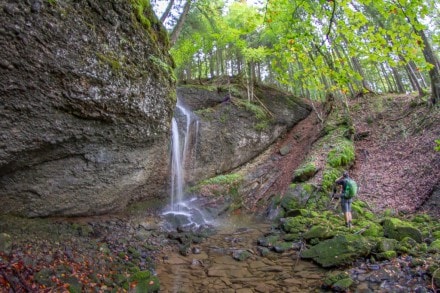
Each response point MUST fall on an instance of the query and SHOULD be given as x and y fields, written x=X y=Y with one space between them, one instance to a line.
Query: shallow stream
x=210 y=266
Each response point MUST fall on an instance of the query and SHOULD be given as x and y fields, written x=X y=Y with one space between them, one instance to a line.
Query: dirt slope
x=396 y=165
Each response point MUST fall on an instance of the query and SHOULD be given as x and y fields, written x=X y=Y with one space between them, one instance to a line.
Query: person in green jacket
x=346 y=201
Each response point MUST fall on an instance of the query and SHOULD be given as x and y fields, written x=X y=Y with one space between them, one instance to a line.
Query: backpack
x=351 y=189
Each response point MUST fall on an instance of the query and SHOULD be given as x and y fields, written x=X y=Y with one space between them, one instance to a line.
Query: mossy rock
x=144 y=282
x=291 y=237
x=328 y=178
x=297 y=224
x=386 y=244
x=410 y=246
x=359 y=207
x=333 y=277
x=305 y=172
x=434 y=247
x=342 y=285
x=282 y=246
x=436 y=235
x=422 y=219
x=268 y=241
x=386 y=255
x=320 y=232
x=241 y=255
x=340 y=250
x=297 y=196
x=371 y=229
x=398 y=229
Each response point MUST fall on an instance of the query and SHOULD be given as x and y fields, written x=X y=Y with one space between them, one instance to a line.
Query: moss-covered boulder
x=398 y=229
x=369 y=228
x=320 y=232
x=434 y=247
x=297 y=224
x=386 y=244
x=297 y=196
x=339 y=250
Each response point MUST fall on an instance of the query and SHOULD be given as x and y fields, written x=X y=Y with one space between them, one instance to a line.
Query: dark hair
x=345 y=174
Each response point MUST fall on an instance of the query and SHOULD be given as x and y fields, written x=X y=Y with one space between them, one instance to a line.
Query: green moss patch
x=305 y=172
x=342 y=154
x=339 y=250
x=398 y=229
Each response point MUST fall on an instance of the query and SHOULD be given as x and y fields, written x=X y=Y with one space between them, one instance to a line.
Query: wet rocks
x=234 y=266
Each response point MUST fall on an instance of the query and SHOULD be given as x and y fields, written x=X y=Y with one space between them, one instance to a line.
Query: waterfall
x=183 y=142
x=183 y=212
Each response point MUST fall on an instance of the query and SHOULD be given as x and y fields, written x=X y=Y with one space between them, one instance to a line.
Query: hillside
x=396 y=164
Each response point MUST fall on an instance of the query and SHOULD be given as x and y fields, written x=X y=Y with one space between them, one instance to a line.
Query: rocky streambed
x=132 y=252
x=232 y=261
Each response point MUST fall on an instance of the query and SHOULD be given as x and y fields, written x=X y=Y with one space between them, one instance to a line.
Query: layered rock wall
x=86 y=99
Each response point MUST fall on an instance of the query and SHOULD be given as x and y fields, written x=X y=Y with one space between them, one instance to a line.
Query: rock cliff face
x=86 y=98
x=231 y=133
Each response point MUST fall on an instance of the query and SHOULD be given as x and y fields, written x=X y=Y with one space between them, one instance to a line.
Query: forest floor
x=396 y=166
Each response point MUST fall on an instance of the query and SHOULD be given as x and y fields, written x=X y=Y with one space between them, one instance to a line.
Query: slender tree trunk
x=167 y=11
x=418 y=75
x=381 y=77
x=180 y=22
x=434 y=72
x=414 y=81
x=211 y=64
x=391 y=87
x=398 y=80
x=220 y=61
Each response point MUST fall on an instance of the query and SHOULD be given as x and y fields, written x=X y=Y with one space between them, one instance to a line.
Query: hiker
x=349 y=189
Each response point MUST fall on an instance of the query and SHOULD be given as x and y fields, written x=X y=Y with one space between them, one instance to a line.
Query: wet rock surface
x=231 y=261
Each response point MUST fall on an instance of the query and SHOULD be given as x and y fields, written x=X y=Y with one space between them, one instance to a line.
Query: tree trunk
x=180 y=22
x=418 y=75
x=358 y=67
x=434 y=73
x=391 y=87
x=398 y=80
x=167 y=11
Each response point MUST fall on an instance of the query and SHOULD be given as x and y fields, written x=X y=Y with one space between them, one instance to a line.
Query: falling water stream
x=183 y=210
